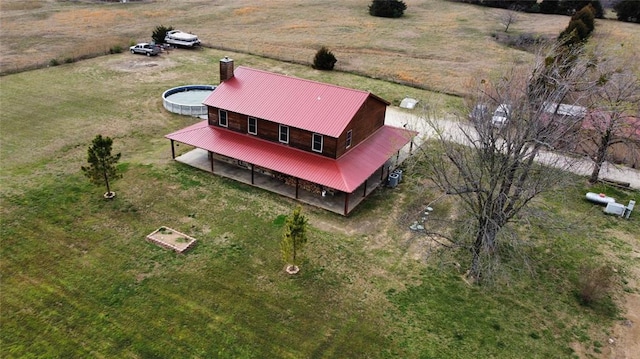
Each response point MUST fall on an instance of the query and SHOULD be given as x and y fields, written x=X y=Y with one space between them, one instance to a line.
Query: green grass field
x=79 y=279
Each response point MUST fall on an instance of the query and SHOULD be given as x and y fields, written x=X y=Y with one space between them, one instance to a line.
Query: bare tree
x=614 y=120
x=496 y=168
x=507 y=18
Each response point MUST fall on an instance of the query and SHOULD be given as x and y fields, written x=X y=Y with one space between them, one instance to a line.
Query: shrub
x=387 y=8
x=115 y=49
x=54 y=62
x=159 y=34
x=324 y=59
x=594 y=284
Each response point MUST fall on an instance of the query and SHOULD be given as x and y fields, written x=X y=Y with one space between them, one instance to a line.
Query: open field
x=438 y=44
x=80 y=280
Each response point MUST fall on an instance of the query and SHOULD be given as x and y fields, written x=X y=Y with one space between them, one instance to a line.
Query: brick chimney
x=226 y=69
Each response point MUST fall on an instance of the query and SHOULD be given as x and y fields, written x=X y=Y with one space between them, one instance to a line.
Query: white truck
x=179 y=38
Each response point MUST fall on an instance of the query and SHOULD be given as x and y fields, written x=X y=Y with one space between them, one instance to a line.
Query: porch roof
x=344 y=174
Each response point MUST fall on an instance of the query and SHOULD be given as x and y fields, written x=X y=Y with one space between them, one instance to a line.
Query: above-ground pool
x=187 y=100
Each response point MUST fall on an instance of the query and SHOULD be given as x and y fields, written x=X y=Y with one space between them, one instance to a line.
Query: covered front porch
x=337 y=185
x=334 y=200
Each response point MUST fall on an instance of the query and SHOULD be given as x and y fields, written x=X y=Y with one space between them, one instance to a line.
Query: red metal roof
x=623 y=126
x=313 y=106
x=345 y=174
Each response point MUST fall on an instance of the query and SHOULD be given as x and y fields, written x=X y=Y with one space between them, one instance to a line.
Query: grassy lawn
x=79 y=280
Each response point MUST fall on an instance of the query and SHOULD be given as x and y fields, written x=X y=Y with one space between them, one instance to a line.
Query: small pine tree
x=324 y=59
x=101 y=163
x=587 y=16
x=580 y=27
x=159 y=33
x=293 y=239
x=387 y=8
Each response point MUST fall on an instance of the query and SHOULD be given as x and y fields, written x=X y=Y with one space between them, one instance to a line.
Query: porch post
x=211 y=159
x=297 y=181
x=173 y=151
x=382 y=172
x=411 y=146
x=346 y=203
x=365 y=188
x=252 y=173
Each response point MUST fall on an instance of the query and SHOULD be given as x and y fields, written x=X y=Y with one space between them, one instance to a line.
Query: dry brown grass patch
x=245 y=10
x=435 y=49
x=93 y=17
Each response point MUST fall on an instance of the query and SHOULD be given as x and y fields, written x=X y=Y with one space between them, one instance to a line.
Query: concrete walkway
x=582 y=166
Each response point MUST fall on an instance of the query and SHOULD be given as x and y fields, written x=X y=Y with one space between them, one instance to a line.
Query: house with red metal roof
x=317 y=139
x=622 y=132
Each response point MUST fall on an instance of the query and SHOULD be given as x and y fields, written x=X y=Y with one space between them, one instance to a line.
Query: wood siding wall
x=367 y=120
x=270 y=131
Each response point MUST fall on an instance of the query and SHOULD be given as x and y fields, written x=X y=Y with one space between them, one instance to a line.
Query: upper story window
x=284 y=134
x=349 y=136
x=222 y=118
x=317 y=142
x=252 y=125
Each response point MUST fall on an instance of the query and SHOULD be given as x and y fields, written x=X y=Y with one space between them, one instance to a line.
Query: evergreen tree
x=387 y=8
x=293 y=238
x=159 y=33
x=587 y=16
x=524 y=5
x=324 y=59
x=101 y=163
x=549 y=6
x=575 y=33
x=598 y=9
x=580 y=27
x=628 y=10
x=570 y=7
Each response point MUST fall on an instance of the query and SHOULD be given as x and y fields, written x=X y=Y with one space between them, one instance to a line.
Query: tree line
x=626 y=10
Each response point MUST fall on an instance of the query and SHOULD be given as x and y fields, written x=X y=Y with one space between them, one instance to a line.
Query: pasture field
x=80 y=280
x=439 y=45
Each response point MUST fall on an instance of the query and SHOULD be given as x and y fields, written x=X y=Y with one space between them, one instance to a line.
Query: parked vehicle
x=501 y=115
x=179 y=38
x=145 y=49
x=480 y=111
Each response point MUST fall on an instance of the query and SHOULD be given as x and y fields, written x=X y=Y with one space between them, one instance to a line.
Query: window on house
x=284 y=134
x=252 y=126
x=317 y=142
x=349 y=135
x=222 y=118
